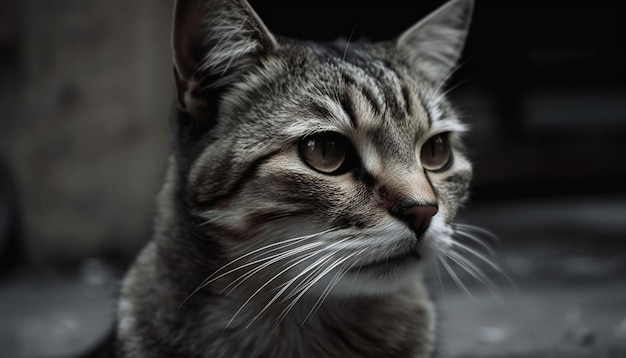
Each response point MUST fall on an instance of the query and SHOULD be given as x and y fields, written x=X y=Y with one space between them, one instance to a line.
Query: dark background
x=85 y=91
x=551 y=74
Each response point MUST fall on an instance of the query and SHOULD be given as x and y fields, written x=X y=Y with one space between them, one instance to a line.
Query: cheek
x=452 y=191
x=330 y=200
x=452 y=185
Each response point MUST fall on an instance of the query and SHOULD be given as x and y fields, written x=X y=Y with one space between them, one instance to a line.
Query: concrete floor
x=567 y=263
x=566 y=296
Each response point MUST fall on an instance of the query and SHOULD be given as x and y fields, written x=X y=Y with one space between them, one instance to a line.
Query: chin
x=375 y=279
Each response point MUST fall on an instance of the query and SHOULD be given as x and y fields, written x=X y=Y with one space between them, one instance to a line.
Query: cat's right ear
x=213 y=41
x=436 y=42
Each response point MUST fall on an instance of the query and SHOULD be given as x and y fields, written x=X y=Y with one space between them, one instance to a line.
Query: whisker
x=473 y=270
x=332 y=283
x=487 y=261
x=448 y=76
x=454 y=276
x=477 y=229
x=290 y=282
x=294 y=262
x=477 y=254
x=297 y=262
x=275 y=247
x=345 y=51
x=271 y=258
x=437 y=98
x=443 y=293
x=281 y=244
x=476 y=240
x=335 y=280
x=285 y=286
x=308 y=287
x=314 y=268
x=279 y=257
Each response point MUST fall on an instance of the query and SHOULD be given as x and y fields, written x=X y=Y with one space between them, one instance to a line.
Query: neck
x=212 y=325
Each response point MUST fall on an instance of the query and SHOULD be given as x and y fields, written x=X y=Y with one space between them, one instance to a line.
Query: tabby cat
x=306 y=184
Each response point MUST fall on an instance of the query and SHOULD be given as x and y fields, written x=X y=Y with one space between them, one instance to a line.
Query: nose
x=418 y=216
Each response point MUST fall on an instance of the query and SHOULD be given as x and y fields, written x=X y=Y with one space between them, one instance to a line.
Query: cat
x=307 y=185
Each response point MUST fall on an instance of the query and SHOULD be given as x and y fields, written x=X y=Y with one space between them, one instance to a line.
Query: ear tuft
x=213 y=42
x=437 y=41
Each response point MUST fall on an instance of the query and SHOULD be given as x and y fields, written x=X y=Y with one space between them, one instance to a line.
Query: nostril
x=418 y=217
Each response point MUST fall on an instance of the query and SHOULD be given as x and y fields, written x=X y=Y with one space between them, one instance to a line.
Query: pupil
x=433 y=149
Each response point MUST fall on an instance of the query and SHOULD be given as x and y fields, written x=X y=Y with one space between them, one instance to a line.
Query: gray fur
x=212 y=282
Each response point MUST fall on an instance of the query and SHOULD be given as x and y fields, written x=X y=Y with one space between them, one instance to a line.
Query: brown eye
x=436 y=153
x=325 y=152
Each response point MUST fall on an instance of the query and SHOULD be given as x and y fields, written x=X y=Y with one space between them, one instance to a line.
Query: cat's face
x=324 y=165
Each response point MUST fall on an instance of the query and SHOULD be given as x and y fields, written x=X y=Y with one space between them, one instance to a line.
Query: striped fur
x=257 y=255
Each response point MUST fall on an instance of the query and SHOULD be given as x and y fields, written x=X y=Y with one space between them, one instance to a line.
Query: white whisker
x=473 y=270
x=274 y=247
x=290 y=282
x=444 y=81
x=476 y=240
x=338 y=276
x=345 y=51
x=310 y=272
x=313 y=268
x=443 y=293
x=279 y=257
x=477 y=254
x=477 y=229
x=440 y=96
x=297 y=262
x=286 y=285
x=308 y=287
x=487 y=261
x=454 y=276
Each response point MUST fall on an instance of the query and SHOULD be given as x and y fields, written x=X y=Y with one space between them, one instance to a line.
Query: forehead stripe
x=357 y=77
x=347 y=103
x=391 y=86
x=408 y=100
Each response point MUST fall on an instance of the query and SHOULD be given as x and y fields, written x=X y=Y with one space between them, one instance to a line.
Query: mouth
x=390 y=262
x=383 y=273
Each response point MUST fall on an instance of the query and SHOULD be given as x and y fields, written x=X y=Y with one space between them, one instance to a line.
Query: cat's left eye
x=436 y=153
x=325 y=152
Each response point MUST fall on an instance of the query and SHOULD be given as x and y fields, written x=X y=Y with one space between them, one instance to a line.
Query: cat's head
x=335 y=159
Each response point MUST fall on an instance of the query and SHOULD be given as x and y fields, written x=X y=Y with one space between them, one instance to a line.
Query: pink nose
x=418 y=217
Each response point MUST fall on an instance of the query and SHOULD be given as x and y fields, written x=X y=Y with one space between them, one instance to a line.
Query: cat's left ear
x=213 y=42
x=436 y=42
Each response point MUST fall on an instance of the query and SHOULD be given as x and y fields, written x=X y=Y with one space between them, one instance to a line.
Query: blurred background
x=85 y=95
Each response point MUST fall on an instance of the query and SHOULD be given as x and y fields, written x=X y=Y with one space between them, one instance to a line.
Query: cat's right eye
x=436 y=153
x=325 y=152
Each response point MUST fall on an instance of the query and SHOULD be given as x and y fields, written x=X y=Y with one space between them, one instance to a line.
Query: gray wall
x=85 y=95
